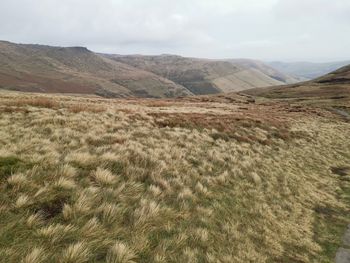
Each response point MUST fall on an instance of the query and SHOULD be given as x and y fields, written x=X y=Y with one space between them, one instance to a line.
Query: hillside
x=203 y=76
x=222 y=178
x=267 y=70
x=307 y=70
x=335 y=85
x=77 y=70
x=50 y=69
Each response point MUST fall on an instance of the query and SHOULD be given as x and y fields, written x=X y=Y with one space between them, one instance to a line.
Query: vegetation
x=92 y=180
x=47 y=69
x=204 y=76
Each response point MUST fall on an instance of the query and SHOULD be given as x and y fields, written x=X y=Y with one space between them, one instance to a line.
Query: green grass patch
x=12 y=164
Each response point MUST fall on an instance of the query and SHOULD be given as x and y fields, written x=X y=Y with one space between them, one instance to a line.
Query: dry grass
x=41 y=102
x=221 y=181
x=76 y=108
x=19 y=105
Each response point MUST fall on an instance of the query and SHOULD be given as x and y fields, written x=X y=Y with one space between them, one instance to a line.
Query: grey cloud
x=262 y=29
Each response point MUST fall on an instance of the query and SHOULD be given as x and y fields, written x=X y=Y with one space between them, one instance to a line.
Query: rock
x=342 y=256
x=346 y=237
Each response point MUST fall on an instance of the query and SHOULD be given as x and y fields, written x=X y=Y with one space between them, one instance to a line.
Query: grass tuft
x=120 y=253
x=37 y=255
x=76 y=253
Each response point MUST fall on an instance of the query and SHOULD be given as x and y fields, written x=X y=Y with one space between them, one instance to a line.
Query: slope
x=198 y=179
x=308 y=70
x=267 y=70
x=77 y=70
x=331 y=91
x=201 y=76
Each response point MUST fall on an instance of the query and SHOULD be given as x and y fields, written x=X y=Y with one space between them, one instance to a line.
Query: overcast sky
x=293 y=30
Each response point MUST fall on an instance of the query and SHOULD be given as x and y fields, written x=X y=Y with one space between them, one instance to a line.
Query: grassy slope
x=266 y=69
x=201 y=76
x=331 y=91
x=308 y=70
x=208 y=179
x=77 y=70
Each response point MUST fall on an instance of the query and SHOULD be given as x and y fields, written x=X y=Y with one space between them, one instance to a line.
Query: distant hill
x=267 y=70
x=49 y=69
x=307 y=70
x=206 y=76
x=335 y=85
x=39 y=68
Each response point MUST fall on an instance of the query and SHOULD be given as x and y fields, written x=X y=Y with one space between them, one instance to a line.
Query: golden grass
x=76 y=108
x=42 y=102
x=132 y=184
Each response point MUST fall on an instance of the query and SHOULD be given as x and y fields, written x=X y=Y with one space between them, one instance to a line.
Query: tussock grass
x=132 y=184
x=42 y=102
x=120 y=253
x=37 y=255
x=76 y=108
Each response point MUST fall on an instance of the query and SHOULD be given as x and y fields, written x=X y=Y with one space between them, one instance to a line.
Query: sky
x=270 y=30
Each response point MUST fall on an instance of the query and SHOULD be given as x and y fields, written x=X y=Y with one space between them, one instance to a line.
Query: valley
x=109 y=158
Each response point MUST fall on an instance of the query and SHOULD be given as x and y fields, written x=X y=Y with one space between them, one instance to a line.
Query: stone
x=342 y=256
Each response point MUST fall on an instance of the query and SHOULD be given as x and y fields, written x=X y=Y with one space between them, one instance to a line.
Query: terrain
x=49 y=69
x=259 y=175
x=307 y=70
x=221 y=178
x=206 y=76
x=267 y=70
x=330 y=91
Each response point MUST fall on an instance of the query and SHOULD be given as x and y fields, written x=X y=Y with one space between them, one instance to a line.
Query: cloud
x=263 y=29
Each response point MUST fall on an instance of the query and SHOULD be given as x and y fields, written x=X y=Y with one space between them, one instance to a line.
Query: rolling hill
x=267 y=70
x=205 y=76
x=47 y=69
x=77 y=70
x=335 y=85
x=331 y=91
x=307 y=70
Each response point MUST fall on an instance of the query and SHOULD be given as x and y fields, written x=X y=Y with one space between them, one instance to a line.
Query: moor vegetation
x=84 y=179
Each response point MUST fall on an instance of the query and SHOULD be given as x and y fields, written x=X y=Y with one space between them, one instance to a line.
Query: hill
x=267 y=70
x=335 y=85
x=50 y=69
x=205 y=76
x=220 y=178
x=307 y=70
x=77 y=70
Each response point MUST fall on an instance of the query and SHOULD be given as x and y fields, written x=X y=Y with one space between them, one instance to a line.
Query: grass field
x=207 y=179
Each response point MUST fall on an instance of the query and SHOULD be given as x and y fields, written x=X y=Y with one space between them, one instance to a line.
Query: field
x=225 y=178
